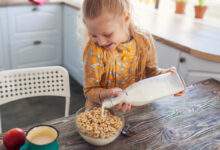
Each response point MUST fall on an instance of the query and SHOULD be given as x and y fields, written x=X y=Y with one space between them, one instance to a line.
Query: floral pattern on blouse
x=128 y=63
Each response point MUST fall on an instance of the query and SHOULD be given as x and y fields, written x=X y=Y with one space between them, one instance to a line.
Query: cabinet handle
x=35 y=9
x=182 y=59
x=37 y=42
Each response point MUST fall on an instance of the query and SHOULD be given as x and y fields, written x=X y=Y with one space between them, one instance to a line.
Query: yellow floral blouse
x=128 y=63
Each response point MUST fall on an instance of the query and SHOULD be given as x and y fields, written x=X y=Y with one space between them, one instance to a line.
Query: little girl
x=117 y=54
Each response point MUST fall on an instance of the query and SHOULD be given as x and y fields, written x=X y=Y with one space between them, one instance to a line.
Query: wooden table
x=174 y=123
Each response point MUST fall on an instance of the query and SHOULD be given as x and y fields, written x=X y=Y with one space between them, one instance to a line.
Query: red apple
x=14 y=138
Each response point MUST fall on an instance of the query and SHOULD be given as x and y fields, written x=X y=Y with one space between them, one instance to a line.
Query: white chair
x=31 y=82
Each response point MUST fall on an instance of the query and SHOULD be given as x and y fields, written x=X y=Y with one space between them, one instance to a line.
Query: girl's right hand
x=124 y=107
x=114 y=92
x=109 y=93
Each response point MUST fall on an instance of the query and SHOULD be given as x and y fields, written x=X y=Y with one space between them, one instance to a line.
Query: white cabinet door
x=28 y=21
x=35 y=35
x=36 y=52
x=74 y=36
x=167 y=56
x=194 y=69
x=4 y=55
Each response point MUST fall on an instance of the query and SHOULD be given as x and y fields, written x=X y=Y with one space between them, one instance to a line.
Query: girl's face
x=108 y=31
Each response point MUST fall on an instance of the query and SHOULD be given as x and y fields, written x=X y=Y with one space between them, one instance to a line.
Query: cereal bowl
x=96 y=129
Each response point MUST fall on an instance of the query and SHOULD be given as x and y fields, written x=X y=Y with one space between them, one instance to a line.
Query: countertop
x=192 y=36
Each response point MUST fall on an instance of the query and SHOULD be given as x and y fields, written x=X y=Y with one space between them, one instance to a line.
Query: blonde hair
x=94 y=8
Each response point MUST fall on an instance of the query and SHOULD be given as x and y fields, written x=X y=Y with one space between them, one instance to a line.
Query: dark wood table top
x=191 y=122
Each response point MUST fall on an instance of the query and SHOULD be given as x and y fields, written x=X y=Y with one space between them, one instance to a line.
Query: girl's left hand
x=173 y=70
x=124 y=107
x=180 y=93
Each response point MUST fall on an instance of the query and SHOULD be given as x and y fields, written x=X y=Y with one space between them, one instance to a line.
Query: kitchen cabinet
x=167 y=56
x=35 y=35
x=194 y=69
x=28 y=21
x=4 y=56
x=190 y=68
x=74 y=37
x=36 y=52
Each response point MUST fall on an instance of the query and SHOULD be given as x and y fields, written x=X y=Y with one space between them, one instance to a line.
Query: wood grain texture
x=191 y=122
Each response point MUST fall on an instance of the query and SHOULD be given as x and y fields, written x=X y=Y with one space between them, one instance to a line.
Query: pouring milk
x=147 y=90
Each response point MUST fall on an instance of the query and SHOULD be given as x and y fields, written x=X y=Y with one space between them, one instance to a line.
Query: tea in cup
x=42 y=137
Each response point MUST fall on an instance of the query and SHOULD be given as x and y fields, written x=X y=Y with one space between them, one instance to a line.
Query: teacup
x=42 y=137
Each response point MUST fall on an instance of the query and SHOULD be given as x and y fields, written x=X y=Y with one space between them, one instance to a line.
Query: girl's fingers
x=124 y=107
x=180 y=93
x=172 y=69
x=119 y=106
x=116 y=92
x=108 y=93
x=129 y=107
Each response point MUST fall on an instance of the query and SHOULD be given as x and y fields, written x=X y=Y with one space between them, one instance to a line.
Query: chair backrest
x=31 y=82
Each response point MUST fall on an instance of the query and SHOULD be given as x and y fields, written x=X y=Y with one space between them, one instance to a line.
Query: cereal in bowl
x=94 y=124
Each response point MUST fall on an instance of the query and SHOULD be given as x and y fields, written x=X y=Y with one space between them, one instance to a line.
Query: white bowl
x=99 y=141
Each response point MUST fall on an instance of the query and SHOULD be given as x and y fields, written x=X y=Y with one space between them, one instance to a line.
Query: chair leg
x=67 y=107
x=0 y=122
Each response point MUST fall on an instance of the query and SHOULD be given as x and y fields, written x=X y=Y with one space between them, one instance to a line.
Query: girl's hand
x=109 y=93
x=124 y=107
x=114 y=92
x=180 y=93
x=173 y=70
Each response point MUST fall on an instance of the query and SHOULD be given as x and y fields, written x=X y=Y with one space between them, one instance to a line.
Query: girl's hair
x=94 y=8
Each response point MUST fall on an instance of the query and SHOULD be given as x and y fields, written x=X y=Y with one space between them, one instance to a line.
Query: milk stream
x=103 y=110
